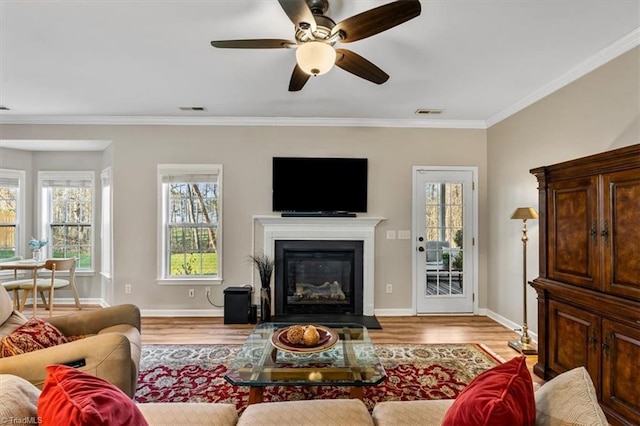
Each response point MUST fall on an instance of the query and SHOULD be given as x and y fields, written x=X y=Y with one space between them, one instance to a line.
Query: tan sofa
x=110 y=350
x=569 y=399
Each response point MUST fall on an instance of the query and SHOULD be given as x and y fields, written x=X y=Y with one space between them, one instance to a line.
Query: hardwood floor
x=398 y=330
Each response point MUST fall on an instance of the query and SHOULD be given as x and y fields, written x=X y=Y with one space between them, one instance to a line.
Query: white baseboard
x=182 y=312
x=71 y=301
x=393 y=312
x=403 y=312
x=510 y=324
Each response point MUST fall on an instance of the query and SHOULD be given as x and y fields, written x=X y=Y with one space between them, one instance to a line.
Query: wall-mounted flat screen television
x=308 y=184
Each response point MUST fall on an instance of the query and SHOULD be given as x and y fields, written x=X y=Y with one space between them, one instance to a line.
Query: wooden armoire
x=589 y=284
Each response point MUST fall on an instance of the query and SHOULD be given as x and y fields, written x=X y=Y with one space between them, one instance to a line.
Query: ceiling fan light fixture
x=315 y=57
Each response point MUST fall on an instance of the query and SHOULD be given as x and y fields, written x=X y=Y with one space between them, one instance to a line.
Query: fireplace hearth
x=318 y=277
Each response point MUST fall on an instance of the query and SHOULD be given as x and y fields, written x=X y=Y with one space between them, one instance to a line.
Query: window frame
x=44 y=217
x=20 y=231
x=162 y=227
x=106 y=223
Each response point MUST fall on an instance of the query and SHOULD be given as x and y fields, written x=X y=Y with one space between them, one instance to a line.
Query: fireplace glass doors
x=318 y=277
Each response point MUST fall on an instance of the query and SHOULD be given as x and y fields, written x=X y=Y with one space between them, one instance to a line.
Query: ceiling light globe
x=315 y=57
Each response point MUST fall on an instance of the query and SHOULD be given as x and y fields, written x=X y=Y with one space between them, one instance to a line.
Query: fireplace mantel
x=327 y=228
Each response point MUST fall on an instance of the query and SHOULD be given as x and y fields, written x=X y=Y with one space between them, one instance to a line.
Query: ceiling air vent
x=428 y=111
x=192 y=108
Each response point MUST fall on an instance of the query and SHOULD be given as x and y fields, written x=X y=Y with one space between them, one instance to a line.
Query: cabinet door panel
x=573 y=339
x=621 y=236
x=573 y=210
x=621 y=369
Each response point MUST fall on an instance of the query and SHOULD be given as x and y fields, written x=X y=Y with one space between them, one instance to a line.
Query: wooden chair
x=50 y=284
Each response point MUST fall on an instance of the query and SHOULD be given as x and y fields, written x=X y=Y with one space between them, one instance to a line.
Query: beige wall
x=596 y=113
x=246 y=153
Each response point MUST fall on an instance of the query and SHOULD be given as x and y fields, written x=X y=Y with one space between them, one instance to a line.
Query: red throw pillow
x=31 y=336
x=75 y=398
x=500 y=396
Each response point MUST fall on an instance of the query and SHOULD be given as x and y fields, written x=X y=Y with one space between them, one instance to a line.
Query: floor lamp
x=524 y=345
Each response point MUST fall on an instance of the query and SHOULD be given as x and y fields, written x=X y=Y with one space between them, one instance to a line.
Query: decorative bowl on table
x=326 y=339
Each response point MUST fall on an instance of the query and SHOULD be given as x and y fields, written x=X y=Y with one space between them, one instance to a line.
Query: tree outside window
x=191 y=204
x=67 y=215
x=10 y=212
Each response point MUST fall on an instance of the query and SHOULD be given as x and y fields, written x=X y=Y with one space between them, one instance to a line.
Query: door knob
x=420 y=248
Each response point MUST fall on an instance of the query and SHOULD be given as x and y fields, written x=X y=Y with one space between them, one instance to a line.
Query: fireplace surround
x=361 y=229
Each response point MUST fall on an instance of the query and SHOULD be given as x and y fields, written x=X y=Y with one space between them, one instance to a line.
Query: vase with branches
x=264 y=265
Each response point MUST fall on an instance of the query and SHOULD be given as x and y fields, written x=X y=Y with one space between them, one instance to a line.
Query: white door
x=444 y=235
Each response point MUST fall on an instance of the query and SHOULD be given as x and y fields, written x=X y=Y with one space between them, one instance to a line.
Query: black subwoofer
x=237 y=305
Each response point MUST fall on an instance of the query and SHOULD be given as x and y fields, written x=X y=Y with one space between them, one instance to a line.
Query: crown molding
x=610 y=52
x=238 y=121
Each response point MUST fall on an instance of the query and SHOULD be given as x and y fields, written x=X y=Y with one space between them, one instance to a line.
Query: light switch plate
x=404 y=235
x=391 y=235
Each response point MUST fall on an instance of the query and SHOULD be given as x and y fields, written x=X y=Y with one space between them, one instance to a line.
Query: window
x=190 y=223
x=66 y=215
x=11 y=212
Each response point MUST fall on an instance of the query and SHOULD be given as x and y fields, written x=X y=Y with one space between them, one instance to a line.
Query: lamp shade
x=315 y=57
x=524 y=213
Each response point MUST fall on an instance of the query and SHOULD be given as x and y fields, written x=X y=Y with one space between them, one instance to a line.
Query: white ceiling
x=137 y=61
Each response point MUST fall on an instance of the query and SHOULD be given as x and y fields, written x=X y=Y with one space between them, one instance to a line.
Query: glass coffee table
x=351 y=361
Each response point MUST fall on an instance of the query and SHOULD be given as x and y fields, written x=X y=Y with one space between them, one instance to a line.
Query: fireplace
x=340 y=229
x=318 y=277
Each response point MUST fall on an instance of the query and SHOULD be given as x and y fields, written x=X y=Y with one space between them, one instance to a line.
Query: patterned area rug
x=195 y=373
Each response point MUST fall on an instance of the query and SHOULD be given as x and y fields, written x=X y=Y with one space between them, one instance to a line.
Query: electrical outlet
x=207 y=291
x=192 y=293
x=127 y=288
x=389 y=288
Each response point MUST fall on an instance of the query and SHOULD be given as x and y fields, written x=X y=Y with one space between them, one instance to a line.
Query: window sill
x=189 y=281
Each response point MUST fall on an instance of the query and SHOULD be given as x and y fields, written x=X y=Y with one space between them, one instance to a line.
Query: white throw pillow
x=569 y=399
x=18 y=401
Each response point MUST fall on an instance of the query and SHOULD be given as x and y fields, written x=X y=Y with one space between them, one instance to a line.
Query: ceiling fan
x=316 y=35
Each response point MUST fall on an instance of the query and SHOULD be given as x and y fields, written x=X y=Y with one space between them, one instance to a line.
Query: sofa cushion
x=315 y=412
x=34 y=335
x=189 y=413
x=73 y=397
x=15 y=320
x=18 y=401
x=6 y=305
x=403 y=413
x=502 y=395
x=569 y=399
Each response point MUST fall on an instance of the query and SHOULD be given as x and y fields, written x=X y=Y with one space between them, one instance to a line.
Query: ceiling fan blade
x=357 y=65
x=266 y=43
x=298 y=79
x=299 y=13
x=377 y=20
